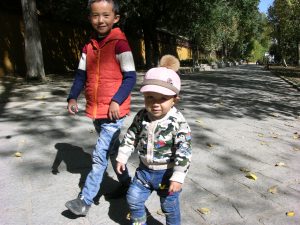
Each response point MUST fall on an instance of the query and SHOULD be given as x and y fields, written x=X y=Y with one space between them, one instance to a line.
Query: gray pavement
x=242 y=118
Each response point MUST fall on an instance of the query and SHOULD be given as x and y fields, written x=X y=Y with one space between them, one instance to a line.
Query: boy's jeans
x=144 y=182
x=107 y=146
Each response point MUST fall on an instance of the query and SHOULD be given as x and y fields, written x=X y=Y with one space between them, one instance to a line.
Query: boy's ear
x=117 y=18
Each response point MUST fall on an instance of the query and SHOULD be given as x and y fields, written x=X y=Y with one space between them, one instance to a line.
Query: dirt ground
x=291 y=73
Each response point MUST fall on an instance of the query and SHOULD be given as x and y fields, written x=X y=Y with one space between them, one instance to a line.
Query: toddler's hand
x=174 y=187
x=120 y=167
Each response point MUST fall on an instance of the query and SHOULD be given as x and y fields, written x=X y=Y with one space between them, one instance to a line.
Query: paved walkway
x=242 y=119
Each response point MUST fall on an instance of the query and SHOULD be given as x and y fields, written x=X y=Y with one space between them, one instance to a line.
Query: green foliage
x=261 y=42
x=257 y=51
x=72 y=11
x=223 y=26
x=284 y=16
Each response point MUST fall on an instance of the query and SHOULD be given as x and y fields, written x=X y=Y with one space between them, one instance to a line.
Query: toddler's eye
x=149 y=97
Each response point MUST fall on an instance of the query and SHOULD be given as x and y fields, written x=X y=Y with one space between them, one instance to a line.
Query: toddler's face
x=158 y=105
x=102 y=17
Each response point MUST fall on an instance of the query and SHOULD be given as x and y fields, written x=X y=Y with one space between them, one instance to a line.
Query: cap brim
x=157 y=89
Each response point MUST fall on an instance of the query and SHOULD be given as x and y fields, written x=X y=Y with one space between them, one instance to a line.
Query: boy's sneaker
x=120 y=192
x=78 y=207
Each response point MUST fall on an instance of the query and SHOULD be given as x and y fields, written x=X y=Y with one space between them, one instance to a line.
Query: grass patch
x=291 y=73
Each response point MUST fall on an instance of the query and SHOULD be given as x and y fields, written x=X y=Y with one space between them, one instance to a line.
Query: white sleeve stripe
x=82 y=62
x=126 y=61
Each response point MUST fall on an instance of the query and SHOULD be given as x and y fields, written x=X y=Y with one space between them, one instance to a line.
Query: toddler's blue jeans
x=142 y=185
x=107 y=146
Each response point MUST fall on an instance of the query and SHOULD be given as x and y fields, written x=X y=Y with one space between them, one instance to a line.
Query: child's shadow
x=76 y=160
x=118 y=212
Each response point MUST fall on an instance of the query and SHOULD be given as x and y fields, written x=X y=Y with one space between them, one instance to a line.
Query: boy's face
x=102 y=17
x=158 y=105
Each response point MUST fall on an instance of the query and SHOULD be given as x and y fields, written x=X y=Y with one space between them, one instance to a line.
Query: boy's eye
x=95 y=16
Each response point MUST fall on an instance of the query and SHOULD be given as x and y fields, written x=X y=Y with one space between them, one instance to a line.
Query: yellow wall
x=62 y=45
x=184 y=53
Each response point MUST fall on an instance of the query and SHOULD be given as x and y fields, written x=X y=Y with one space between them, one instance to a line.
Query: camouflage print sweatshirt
x=161 y=144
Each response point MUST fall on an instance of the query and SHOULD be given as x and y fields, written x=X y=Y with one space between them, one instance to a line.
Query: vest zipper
x=96 y=85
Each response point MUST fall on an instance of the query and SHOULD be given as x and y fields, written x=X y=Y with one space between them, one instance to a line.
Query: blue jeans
x=107 y=146
x=142 y=185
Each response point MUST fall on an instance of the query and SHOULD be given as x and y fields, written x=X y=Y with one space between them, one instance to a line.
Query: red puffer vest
x=104 y=76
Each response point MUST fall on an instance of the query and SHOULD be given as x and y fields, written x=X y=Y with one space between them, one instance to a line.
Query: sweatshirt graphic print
x=161 y=144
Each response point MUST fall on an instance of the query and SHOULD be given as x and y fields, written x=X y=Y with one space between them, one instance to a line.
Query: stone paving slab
x=240 y=117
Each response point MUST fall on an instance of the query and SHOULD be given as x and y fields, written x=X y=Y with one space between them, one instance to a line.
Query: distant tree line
x=233 y=29
x=284 y=17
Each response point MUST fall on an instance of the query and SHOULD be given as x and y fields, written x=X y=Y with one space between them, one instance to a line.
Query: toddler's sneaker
x=78 y=207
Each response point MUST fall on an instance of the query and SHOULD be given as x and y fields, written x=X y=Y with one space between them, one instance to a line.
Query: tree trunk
x=155 y=46
x=148 y=48
x=298 y=53
x=147 y=30
x=284 y=62
x=33 y=46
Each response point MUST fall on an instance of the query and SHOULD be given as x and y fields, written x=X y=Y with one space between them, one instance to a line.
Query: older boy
x=107 y=72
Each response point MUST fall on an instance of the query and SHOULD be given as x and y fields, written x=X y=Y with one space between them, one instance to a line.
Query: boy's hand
x=174 y=187
x=114 y=111
x=72 y=106
x=120 y=167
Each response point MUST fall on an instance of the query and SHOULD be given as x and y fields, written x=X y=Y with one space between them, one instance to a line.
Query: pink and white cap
x=161 y=80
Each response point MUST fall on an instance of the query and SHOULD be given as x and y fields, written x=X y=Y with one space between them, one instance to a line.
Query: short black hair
x=115 y=3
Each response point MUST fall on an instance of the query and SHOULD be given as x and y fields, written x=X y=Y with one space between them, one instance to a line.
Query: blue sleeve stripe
x=129 y=80
x=78 y=84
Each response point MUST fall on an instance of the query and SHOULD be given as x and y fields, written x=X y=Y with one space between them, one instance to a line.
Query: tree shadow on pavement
x=118 y=212
x=7 y=86
x=242 y=91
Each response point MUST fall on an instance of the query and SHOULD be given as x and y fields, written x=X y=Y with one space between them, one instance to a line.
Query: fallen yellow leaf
x=263 y=143
x=280 y=164
x=296 y=135
x=290 y=213
x=209 y=145
x=204 y=210
x=41 y=97
x=23 y=141
x=288 y=125
x=199 y=121
x=18 y=154
x=251 y=176
x=275 y=114
x=91 y=131
x=128 y=216
x=274 y=135
x=273 y=190
x=243 y=169
x=260 y=135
